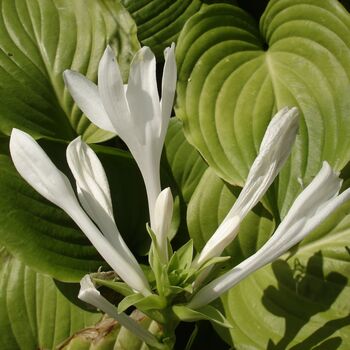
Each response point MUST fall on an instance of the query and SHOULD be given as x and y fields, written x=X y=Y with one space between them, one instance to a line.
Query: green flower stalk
x=175 y=288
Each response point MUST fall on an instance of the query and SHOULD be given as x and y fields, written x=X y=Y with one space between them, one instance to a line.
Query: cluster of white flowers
x=140 y=119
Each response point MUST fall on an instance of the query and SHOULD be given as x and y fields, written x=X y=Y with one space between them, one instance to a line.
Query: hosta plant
x=176 y=285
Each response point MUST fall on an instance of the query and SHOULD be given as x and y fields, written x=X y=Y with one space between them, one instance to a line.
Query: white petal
x=94 y=195
x=89 y=174
x=311 y=207
x=111 y=90
x=162 y=219
x=223 y=236
x=142 y=94
x=274 y=151
x=91 y=295
x=86 y=96
x=168 y=87
x=38 y=170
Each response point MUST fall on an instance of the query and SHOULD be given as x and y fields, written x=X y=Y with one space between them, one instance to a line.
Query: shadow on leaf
x=303 y=292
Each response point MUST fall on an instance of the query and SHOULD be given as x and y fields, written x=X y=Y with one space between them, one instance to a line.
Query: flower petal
x=162 y=219
x=38 y=170
x=223 y=236
x=86 y=96
x=142 y=94
x=311 y=207
x=168 y=87
x=94 y=195
x=274 y=151
x=91 y=295
x=89 y=174
x=112 y=93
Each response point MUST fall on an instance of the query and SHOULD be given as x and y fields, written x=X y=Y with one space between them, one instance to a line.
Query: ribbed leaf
x=34 y=314
x=44 y=237
x=233 y=76
x=160 y=21
x=299 y=303
x=186 y=165
x=39 y=39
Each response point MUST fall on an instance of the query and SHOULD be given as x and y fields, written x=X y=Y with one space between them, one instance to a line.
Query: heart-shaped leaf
x=38 y=41
x=44 y=237
x=233 y=77
x=34 y=314
x=300 y=302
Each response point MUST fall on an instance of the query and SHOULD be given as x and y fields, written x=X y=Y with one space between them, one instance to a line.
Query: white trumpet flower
x=94 y=194
x=133 y=111
x=91 y=295
x=311 y=207
x=162 y=220
x=38 y=170
x=274 y=150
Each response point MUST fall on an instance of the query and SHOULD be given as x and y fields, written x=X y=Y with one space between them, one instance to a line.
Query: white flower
x=162 y=220
x=274 y=151
x=134 y=111
x=310 y=208
x=38 y=170
x=94 y=195
x=91 y=295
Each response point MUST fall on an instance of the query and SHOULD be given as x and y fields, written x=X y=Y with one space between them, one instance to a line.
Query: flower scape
x=180 y=285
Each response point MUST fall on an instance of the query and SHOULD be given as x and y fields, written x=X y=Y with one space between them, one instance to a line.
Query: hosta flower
x=274 y=151
x=133 y=111
x=311 y=207
x=38 y=170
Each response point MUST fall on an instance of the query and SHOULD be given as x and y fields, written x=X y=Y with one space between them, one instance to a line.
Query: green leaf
x=235 y=74
x=39 y=40
x=301 y=301
x=185 y=255
x=144 y=304
x=119 y=287
x=186 y=165
x=208 y=208
x=34 y=314
x=129 y=301
x=45 y=238
x=205 y=313
x=160 y=21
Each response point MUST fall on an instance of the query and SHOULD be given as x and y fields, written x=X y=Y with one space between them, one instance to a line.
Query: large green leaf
x=185 y=163
x=40 y=39
x=160 y=21
x=210 y=203
x=184 y=167
x=234 y=76
x=34 y=314
x=44 y=237
x=301 y=302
